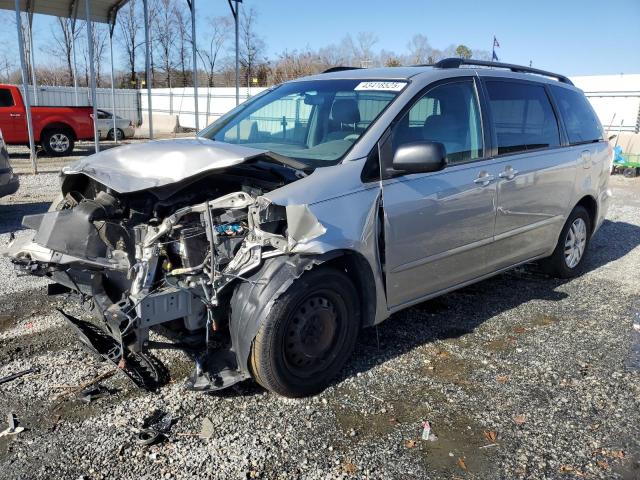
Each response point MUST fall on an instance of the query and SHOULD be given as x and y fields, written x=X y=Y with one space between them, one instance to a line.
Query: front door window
x=448 y=114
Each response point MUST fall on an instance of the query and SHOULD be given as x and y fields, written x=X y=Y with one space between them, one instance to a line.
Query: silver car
x=321 y=206
x=123 y=129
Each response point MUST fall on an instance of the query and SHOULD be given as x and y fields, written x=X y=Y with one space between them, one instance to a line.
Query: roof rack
x=457 y=62
x=340 y=69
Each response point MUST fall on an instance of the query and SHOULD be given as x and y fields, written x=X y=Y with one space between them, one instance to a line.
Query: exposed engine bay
x=164 y=258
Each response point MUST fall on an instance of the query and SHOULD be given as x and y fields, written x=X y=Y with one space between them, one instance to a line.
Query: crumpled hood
x=157 y=163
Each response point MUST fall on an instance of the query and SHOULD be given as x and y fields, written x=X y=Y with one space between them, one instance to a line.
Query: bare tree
x=99 y=44
x=130 y=25
x=183 y=29
x=64 y=36
x=419 y=50
x=252 y=46
x=291 y=65
x=365 y=43
x=389 y=59
x=218 y=32
x=6 y=67
x=164 y=26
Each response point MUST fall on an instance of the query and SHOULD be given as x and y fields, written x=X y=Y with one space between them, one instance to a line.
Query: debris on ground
x=208 y=429
x=519 y=419
x=16 y=375
x=490 y=435
x=94 y=392
x=80 y=388
x=13 y=428
x=155 y=427
x=426 y=430
x=349 y=468
x=427 y=434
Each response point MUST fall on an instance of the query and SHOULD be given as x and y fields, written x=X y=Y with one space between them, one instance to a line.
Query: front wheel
x=57 y=143
x=308 y=335
x=567 y=259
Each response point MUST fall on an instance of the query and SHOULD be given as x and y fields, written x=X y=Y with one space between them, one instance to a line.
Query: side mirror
x=611 y=137
x=420 y=157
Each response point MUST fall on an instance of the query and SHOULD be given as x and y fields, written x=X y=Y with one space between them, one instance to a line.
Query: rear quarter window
x=580 y=120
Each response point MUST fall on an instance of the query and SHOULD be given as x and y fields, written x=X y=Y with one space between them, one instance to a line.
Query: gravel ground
x=520 y=376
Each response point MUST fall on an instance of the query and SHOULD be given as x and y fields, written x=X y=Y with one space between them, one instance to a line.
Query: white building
x=615 y=98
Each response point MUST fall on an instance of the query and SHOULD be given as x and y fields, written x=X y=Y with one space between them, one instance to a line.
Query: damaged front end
x=165 y=257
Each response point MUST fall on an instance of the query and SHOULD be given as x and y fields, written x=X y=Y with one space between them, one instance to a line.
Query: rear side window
x=579 y=118
x=6 y=100
x=522 y=117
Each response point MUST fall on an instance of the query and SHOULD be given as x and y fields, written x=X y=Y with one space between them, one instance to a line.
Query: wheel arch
x=58 y=126
x=252 y=300
x=589 y=203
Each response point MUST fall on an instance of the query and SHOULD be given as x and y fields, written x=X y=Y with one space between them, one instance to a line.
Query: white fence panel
x=127 y=101
x=212 y=102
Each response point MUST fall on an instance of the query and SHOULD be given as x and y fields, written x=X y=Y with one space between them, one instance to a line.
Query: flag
x=494 y=57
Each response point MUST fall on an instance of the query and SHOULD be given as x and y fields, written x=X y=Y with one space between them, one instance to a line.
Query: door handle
x=509 y=173
x=14 y=114
x=484 y=179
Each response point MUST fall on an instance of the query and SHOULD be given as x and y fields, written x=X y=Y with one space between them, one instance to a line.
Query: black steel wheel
x=308 y=335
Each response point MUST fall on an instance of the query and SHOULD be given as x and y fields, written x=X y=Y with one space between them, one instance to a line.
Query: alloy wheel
x=575 y=243
x=59 y=142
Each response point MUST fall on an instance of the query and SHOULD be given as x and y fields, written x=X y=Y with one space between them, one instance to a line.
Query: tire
x=57 y=142
x=308 y=335
x=120 y=134
x=630 y=172
x=577 y=232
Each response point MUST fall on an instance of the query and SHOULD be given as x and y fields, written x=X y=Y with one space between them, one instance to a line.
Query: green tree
x=464 y=52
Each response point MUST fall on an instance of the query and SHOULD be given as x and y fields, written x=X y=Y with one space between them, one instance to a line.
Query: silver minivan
x=320 y=206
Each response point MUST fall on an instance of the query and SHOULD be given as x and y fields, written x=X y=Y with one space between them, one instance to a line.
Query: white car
x=124 y=127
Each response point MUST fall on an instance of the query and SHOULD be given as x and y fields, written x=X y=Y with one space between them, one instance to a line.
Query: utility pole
x=236 y=17
x=194 y=48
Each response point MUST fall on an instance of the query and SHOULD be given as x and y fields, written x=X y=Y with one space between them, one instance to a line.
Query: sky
x=572 y=37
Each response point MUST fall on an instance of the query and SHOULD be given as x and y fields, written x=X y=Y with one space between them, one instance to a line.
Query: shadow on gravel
x=458 y=313
x=81 y=149
x=11 y=215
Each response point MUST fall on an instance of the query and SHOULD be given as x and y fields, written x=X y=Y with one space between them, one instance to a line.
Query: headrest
x=345 y=110
x=441 y=127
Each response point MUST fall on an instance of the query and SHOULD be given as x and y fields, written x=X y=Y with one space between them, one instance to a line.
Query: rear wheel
x=119 y=132
x=57 y=142
x=308 y=335
x=568 y=257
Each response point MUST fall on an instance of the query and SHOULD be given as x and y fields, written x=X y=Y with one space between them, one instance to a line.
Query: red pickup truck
x=55 y=128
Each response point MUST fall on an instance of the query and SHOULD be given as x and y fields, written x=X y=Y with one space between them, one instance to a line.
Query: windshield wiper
x=289 y=162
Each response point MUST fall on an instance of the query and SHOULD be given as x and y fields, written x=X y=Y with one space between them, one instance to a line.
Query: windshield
x=315 y=122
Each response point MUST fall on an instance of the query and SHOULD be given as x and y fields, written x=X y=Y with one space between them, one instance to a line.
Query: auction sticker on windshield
x=381 y=86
